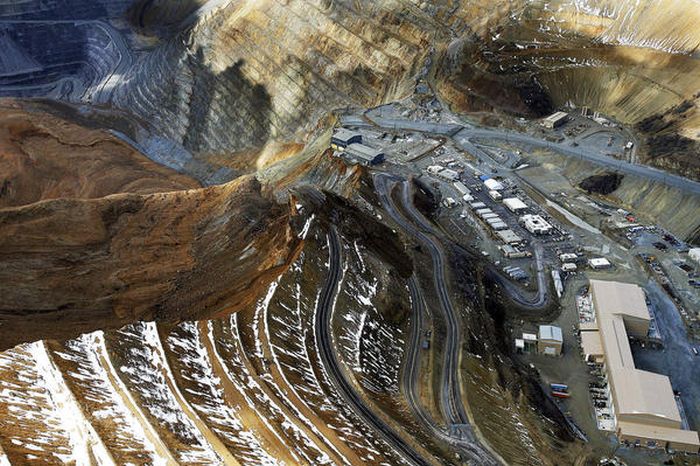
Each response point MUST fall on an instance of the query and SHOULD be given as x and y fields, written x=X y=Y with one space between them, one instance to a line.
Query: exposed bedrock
x=257 y=72
x=75 y=265
x=230 y=80
x=47 y=157
x=631 y=60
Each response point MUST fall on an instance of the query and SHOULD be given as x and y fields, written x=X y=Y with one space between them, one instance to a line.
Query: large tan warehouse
x=646 y=412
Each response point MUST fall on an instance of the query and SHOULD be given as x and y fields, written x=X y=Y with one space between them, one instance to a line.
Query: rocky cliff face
x=253 y=73
x=231 y=80
x=631 y=60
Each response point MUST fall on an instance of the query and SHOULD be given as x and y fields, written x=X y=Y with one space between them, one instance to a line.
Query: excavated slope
x=634 y=61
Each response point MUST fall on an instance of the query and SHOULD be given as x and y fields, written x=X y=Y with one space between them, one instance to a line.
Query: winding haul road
x=322 y=330
x=451 y=397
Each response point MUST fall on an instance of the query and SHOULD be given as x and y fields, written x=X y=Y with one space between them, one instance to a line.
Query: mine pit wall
x=248 y=75
x=670 y=208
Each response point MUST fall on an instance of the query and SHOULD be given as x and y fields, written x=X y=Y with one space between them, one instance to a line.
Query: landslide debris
x=94 y=235
x=47 y=157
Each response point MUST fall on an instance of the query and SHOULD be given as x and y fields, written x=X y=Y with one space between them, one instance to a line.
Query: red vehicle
x=560 y=394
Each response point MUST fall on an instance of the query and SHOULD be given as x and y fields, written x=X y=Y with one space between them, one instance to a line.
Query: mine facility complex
x=353 y=150
x=645 y=409
x=536 y=243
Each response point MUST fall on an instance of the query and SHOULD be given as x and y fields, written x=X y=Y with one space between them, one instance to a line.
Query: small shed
x=550 y=340
x=530 y=340
x=599 y=263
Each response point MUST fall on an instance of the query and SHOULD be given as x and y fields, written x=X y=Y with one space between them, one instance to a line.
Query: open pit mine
x=349 y=232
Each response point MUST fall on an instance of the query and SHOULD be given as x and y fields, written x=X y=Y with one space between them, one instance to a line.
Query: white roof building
x=599 y=263
x=551 y=333
x=535 y=224
x=493 y=185
x=694 y=254
x=514 y=204
x=567 y=257
x=554 y=120
x=508 y=236
x=495 y=195
x=568 y=267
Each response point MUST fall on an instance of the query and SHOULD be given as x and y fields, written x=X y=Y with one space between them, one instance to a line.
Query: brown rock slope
x=46 y=157
x=70 y=264
x=635 y=61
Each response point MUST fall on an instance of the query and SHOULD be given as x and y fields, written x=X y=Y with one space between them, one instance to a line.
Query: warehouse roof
x=620 y=298
x=509 y=236
x=513 y=203
x=345 y=135
x=639 y=395
x=493 y=185
x=366 y=153
x=591 y=344
x=676 y=437
x=550 y=332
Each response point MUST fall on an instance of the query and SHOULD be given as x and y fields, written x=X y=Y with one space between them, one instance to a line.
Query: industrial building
x=449 y=202
x=365 y=155
x=495 y=195
x=555 y=120
x=645 y=407
x=508 y=236
x=442 y=172
x=599 y=263
x=694 y=254
x=569 y=267
x=497 y=224
x=462 y=188
x=535 y=224
x=493 y=185
x=550 y=340
x=342 y=138
x=514 y=204
x=568 y=257
x=512 y=252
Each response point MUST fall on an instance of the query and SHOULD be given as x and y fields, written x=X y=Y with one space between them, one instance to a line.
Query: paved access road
x=463 y=137
x=450 y=396
x=322 y=329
